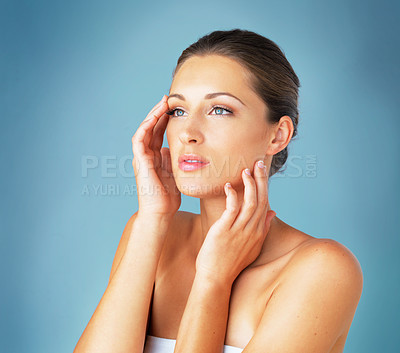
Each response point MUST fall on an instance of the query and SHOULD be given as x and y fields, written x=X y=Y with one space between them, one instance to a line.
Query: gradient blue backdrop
x=77 y=78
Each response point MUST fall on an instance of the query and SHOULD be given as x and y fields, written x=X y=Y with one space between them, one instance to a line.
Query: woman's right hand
x=158 y=194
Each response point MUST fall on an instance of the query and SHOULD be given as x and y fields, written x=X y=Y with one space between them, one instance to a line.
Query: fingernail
x=247 y=171
x=260 y=164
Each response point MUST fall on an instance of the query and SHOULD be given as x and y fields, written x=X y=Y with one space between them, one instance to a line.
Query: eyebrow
x=208 y=96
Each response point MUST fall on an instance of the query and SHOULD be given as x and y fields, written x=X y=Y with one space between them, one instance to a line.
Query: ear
x=281 y=134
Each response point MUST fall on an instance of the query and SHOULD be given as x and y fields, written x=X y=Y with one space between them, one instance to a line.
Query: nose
x=191 y=131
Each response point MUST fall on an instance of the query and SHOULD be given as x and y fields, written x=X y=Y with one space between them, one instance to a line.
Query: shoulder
x=316 y=298
x=325 y=260
x=329 y=252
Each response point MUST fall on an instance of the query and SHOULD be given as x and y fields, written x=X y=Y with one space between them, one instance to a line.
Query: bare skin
x=232 y=274
x=195 y=129
x=251 y=290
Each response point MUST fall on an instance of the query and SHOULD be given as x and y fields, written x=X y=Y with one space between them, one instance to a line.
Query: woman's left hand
x=235 y=240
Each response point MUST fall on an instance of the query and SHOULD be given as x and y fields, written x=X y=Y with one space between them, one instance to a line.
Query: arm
x=307 y=312
x=239 y=235
x=311 y=307
x=119 y=321
x=204 y=321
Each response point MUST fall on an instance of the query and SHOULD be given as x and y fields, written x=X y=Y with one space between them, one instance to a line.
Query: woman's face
x=232 y=134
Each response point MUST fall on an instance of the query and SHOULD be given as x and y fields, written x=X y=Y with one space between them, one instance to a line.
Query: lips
x=191 y=162
x=193 y=157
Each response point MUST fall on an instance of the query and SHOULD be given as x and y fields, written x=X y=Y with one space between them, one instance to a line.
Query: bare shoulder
x=329 y=251
x=326 y=259
x=316 y=298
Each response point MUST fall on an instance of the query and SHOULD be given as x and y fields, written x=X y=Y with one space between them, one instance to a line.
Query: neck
x=211 y=210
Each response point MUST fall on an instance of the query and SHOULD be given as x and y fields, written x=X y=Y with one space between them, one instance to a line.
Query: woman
x=234 y=277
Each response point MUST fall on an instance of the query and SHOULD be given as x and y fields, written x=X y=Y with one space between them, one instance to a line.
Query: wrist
x=153 y=223
x=154 y=220
x=208 y=281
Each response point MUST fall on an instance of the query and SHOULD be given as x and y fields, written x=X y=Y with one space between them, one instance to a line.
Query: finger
x=156 y=115
x=232 y=207
x=138 y=146
x=157 y=160
x=158 y=132
x=156 y=106
x=144 y=132
x=267 y=223
x=249 y=201
x=150 y=115
x=256 y=222
x=166 y=160
x=142 y=136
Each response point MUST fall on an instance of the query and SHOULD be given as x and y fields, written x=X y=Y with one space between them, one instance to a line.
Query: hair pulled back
x=271 y=76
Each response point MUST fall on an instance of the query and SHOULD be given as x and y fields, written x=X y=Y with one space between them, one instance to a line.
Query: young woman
x=234 y=278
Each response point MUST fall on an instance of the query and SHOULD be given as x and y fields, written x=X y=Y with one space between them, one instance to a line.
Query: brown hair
x=271 y=75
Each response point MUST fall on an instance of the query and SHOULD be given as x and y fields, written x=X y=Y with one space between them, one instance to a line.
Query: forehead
x=214 y=71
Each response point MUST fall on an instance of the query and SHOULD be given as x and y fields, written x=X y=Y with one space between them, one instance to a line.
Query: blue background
x=78 y=77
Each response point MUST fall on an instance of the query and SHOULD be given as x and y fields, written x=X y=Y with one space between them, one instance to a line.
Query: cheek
x=245 y=147
x=253 y=138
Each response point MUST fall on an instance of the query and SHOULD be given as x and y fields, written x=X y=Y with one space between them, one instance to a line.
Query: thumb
x=166 y=159
x=270 y=214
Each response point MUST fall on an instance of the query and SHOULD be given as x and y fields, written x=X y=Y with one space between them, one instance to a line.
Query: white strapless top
x=155 y=344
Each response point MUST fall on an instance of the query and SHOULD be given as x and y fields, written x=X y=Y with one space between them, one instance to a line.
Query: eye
x=216 y=108
x=172 y=112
